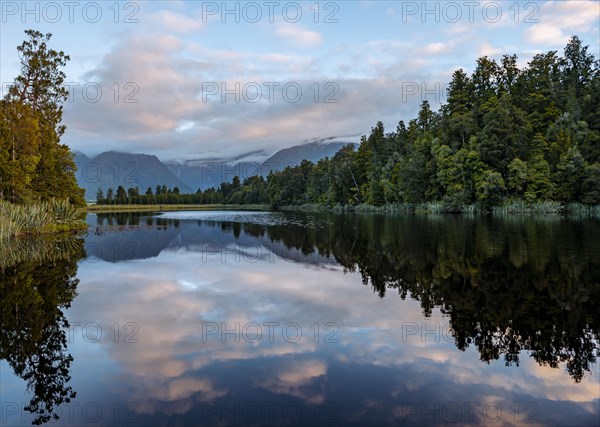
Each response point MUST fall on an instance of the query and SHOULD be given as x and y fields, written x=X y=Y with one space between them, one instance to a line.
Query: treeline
x=34 y=165
x=160 y=195
x=504 y=135
x=250 y=192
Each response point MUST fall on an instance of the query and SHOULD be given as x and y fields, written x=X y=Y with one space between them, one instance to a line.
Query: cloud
x=176 y=22
x=298 y=35
x=189 y=96
x=487 y=49
x=560 y=19
x=435 y=48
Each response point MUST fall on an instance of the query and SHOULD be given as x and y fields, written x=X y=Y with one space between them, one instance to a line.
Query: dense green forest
x=34 y=165
x=505 y=136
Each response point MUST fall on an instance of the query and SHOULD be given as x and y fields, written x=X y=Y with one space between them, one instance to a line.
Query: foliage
x=34 y=165
x=38 y=218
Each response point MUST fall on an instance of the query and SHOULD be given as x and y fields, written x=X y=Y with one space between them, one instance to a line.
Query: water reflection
x=507 y=285
x=261 y=319
x=37 y=282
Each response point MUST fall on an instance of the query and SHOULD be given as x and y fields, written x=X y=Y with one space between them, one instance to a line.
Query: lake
x=271 y=318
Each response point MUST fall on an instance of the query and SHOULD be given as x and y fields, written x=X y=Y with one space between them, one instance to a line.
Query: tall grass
x=38 y=218
x=523 y=207
x=64 y=212
x=388 y=207
x=579 y=209
x=509 y=207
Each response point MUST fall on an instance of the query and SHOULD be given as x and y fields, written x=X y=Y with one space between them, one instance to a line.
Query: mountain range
x=111 y=169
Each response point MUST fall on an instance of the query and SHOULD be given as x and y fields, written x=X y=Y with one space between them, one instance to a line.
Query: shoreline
x=179 y=207
x=551 y=209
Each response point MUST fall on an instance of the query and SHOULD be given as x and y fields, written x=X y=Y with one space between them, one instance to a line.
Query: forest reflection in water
x=508 y=284
x=510 y=287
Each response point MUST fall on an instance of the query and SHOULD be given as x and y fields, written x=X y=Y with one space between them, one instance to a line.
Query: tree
x=458 y=116
x=517 y=177
x=591 y=185
x=504 y=133
x=100 y=196
x=110 y=196
x=508 y=73
x=490 y=188
x=35 y=100
x=578 y=66
x=570 y=175
x=484 y=86
x=121 y=197
x=539 y=179
x=19 y=150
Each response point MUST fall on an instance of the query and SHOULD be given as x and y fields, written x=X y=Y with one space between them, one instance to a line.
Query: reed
x=38 y=218
x=579 y=209
x=522 y=207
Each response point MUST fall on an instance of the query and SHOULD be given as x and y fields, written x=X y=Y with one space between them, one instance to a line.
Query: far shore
x=511 y=208
x=93 y=208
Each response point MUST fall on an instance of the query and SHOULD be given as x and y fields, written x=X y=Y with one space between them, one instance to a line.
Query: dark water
x=238 y=318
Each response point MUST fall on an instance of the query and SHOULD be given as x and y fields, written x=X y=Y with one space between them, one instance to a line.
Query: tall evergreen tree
x=33 y=107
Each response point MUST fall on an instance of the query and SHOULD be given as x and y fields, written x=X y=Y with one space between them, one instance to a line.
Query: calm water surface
x=254 y=318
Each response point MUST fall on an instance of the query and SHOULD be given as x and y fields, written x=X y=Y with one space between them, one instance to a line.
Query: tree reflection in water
x=37 y=282
x=507 y=285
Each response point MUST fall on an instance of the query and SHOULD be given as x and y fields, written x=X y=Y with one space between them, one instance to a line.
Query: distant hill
x=111 y=169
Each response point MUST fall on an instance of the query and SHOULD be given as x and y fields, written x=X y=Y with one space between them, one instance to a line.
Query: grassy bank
x=48 y=217
x=514 y=207
x=154 y=208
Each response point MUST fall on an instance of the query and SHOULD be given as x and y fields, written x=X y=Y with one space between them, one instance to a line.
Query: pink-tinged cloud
x=177 y=22
x=299 y=36
x=558 y=20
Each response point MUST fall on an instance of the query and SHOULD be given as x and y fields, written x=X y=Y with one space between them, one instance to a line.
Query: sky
x=211 y=79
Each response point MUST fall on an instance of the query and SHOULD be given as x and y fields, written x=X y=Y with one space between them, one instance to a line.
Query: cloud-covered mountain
x=206 y=174
x=111 y=169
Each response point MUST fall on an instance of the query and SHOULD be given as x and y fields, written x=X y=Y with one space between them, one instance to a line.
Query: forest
x=520 y=138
